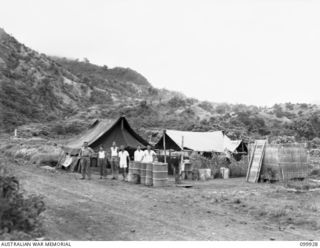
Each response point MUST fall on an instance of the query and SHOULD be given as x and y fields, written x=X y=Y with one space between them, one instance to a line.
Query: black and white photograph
x=159 y=120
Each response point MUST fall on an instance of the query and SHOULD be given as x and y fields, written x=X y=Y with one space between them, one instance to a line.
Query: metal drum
x=160 y=174
x=134 y=172
x=149 y=174
x=143 y=173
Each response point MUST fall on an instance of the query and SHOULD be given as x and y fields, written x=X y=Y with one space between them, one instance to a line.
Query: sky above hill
x=254 y=52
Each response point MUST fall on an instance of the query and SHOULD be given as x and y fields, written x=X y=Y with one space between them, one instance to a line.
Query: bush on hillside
x=100 y=97
x=177 y=102
x=222 y=108
x=289 y=106
x=51 y=117
x=304 y=106
x=315 y=143
x=206 y=106
x=19 y=215
x=303 y=128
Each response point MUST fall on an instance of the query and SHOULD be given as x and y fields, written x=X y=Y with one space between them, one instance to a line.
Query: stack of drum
x=150 y=174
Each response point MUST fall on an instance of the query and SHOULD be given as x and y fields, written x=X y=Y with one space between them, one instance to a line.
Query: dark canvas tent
x=103 y=133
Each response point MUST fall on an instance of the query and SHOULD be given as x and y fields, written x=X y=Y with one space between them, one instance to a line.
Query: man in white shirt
x=102 y=162
x=138 y=154
x=123 y=156
x=148 y=155
x=114 y=160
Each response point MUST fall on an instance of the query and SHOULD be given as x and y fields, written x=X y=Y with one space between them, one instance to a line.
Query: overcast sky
x=254 y=52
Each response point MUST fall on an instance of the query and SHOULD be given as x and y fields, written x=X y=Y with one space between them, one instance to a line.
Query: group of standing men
x=119 y=159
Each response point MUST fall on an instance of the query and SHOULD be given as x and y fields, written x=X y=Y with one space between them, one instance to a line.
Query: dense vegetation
x=238 y=121
x=59 y=91
x=19 y=214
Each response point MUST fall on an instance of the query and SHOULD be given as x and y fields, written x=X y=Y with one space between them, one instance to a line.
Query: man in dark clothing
x=85 y=156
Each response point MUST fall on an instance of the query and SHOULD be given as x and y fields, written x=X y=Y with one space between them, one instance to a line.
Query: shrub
x=58 y=129
x=51 y=117
x=19 y=215
x=177 y=102
x=315 y=143
x=100 y=97
x=222 y=108
x=206 y=106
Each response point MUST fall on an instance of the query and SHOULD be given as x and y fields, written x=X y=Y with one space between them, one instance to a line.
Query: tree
x=303 y=128
x=289 y=106
x=222 y=108
x=206 y=106
x=152 y=91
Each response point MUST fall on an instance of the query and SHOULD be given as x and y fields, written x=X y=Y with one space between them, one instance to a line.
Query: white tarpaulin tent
x=198 y=141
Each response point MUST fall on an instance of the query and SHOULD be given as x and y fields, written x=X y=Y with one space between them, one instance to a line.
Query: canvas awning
x=215 y=141
x=197 y=141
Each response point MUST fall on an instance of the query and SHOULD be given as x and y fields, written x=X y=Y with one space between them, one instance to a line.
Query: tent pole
x=122 y=123
x=180 y=166
x=60 y=158
x=164 y=146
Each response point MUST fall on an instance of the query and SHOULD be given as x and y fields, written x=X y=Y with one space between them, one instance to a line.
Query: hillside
x=55 y=96
x=121 y=83
x=36 y=88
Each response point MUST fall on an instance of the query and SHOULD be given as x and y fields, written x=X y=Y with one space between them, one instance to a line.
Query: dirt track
x=116 y=210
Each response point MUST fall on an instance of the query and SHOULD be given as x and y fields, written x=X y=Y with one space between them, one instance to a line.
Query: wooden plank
x=250 y=159
x=256 y=161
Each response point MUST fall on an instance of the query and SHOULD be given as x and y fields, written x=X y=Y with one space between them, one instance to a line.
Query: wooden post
x=164 y=146
x=122 y=123
x=182 y=145
x=169 y=162
x=60 y=158
x=250 y=159
x=179 y=167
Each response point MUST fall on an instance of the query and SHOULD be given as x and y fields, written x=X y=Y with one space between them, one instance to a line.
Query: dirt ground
x=212 y=210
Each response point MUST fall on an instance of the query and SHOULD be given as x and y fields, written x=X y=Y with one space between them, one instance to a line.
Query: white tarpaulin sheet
x=232 y=145
x=67 y=162
x=201 y=141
